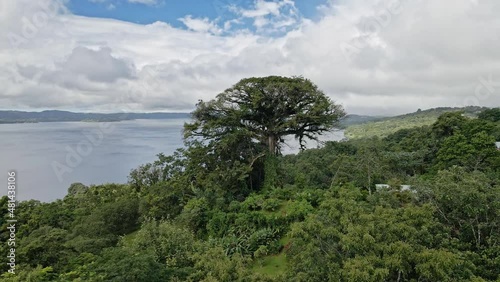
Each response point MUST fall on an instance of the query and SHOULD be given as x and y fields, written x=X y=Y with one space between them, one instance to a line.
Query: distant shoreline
x=17 y=121
x=22 y=121
x=12 y=117
x=89 y=121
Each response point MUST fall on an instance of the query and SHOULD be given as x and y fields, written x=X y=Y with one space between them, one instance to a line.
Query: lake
x=49 y=156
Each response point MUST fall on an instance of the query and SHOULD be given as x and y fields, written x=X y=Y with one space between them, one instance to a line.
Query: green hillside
x=351 y=119
x=386 y=126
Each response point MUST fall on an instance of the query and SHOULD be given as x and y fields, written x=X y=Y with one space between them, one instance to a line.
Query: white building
x=405 y=187
x=379 y=187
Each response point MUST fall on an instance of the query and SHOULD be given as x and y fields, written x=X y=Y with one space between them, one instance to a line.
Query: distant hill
x=54 y=116
x=349 y=120
x=382 y=127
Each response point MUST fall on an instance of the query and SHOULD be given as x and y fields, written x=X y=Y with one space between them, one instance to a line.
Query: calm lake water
x=48 y=157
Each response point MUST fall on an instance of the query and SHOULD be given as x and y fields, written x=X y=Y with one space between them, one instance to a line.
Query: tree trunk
x=270 y=173
x=272 y=145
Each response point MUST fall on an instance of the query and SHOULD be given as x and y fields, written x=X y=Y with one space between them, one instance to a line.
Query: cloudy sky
x=372 y=56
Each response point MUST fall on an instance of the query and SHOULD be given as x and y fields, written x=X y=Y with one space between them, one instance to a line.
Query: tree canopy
x=265 y=109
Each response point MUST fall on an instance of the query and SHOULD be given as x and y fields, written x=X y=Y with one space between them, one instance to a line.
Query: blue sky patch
x=171 y=11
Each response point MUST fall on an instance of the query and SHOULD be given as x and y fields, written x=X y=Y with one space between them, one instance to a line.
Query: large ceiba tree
x=266 y=109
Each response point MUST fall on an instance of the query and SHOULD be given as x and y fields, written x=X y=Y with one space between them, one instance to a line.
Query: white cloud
x=270 y=16
x=145 y=2
x=112 y=6
x=200 y=24
x=405 y=57
x=263 y=8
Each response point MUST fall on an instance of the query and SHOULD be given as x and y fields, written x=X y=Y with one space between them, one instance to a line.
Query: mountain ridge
x=7 y=116
x=385 y=126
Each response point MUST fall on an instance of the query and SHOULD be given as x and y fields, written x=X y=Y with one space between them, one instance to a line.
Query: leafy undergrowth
x=129 y=238
x=272 y=265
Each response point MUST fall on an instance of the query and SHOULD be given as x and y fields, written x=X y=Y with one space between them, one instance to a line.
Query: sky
x=376 y=57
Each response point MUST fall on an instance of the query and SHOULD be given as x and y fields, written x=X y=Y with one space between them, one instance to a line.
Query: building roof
x=498 y=145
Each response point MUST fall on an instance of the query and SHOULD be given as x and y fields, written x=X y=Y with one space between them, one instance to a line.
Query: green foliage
x=102 y=228
x=387 y=126
x=266 y=109
x=468 y=202
x=76 y=190
x=165 y=168
x=351 y=240
x=56 y=214
x=465 y=142
x=298 y=210
x=228 y=136
x=222 y=210
x=271 y=265
x=476 y=152
x=117 y=264
x=441 y=265
x=448 y=124
x=45 y=247
x=194 y=215
x=170 y=244
x=162 y=201
x=30 y=274
x=271 y=166
x=271 y=204
x=492 y=115
x=212 y=264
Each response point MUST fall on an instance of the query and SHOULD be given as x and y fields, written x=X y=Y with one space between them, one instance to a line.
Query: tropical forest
x=413 y=198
